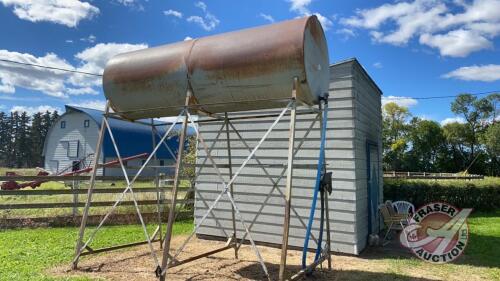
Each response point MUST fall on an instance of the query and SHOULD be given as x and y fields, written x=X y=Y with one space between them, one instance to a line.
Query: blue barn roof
x=133 y=138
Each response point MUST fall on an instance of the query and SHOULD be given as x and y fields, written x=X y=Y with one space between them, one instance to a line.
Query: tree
x=491 y=140
x=457 y=135
x=427 y=144
x=495 y=104
x=4 y=138
x=37 y=136
x=394 y=131
x=476 y=113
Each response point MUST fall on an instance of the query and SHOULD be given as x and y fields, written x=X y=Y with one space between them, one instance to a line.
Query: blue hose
x=316 y=190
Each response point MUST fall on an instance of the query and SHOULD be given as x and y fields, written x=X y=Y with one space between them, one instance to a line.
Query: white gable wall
x=58 y=139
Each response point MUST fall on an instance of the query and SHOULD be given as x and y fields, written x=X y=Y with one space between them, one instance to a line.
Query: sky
x=411 y=49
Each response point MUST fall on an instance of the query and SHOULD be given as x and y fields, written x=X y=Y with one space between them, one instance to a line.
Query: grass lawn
x=27 y=253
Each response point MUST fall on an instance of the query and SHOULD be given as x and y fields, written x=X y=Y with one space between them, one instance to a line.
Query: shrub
x=484 y=198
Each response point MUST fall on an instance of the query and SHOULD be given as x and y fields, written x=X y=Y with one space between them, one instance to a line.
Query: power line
x=50 y=67
x=100 y=75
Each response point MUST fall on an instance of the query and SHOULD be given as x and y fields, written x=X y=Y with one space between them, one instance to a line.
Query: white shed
x=73 y=137
x=353 y=154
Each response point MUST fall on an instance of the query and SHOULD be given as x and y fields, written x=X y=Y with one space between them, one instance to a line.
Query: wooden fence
x=426 y=175
x=9 y=198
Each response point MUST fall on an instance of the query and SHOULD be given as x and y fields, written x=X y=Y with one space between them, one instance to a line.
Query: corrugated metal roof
x=132 y=138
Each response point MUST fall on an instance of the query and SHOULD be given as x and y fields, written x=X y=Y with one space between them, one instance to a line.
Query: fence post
x=74 y=189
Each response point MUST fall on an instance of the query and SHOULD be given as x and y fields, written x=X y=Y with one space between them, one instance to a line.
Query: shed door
x=373 y=185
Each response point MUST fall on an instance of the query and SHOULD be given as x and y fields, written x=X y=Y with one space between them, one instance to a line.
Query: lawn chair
x=404 y=207
x=392 y=220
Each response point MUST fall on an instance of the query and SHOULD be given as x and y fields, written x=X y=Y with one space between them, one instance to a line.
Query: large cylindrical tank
x=236 y=71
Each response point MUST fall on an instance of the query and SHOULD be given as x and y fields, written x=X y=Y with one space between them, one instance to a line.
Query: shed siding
x=253 y=185
x=368 y=128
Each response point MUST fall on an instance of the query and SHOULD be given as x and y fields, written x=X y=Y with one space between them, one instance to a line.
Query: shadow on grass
x=254 y=272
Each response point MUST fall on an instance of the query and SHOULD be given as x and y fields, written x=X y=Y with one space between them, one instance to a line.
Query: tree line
x=413 y=144
x=22 y=138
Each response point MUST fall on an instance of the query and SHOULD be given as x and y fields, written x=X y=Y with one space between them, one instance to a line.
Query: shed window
x=86 y=123
x=73 y=148
x=162 y=162
x=63 y=124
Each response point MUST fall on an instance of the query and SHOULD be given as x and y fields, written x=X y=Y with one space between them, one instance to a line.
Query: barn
x=73 y=137
x=353 y=154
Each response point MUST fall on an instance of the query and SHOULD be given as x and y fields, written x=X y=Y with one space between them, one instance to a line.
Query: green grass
x=481 y=260
x=29 y=253
x=26 y=253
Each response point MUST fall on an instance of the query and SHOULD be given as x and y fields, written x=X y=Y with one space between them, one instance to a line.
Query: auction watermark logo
x=437 y=232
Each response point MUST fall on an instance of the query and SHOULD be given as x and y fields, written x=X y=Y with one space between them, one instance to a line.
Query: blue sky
x=411 y=49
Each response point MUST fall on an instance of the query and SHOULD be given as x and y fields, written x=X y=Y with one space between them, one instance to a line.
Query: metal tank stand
x=170 y=260
x=83 y=248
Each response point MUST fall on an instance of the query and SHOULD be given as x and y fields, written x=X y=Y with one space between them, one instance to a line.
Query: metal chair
x=403 y=207
x=392 y=220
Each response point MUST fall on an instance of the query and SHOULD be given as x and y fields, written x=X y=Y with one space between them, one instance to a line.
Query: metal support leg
x=328 y=237
x=157 y=181
x=228 y=140
x=83 y=224
x=171 y=214
x=288 y=196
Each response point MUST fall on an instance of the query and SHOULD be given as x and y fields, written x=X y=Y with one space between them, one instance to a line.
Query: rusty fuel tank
x=237 y=71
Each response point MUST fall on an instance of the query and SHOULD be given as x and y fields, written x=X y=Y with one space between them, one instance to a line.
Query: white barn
x=73 y=137
x=353 y=154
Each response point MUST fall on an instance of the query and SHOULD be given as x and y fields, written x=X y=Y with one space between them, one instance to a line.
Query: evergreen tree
x=37 y=137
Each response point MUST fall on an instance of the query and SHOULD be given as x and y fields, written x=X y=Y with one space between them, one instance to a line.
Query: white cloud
x=456 y=43
x=378 y=65
x=201 y=5
x=456 y=28
x=69 y=41
x=34 y=109
x=269 y=18
x=136 y=4
x=173 y=13
x=65 y=12
x=91 y=38
x=300 y=7
x=51 y=82
x=347 y=32
x=58 y=83
x=485 y=73
x=188 y=38
x=208 y=24
x=94 y=60
x=401 y=101
x=452 y=120
x=208 y=21
x=94 y=104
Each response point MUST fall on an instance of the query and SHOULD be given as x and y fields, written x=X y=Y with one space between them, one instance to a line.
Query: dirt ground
x=137 y=264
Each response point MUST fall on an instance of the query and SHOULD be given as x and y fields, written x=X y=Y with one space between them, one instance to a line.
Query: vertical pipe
x=171 y=211
x=97 y=154
x=157 y=180
x=288 y=196
x=327 y=209
x=228 y=140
